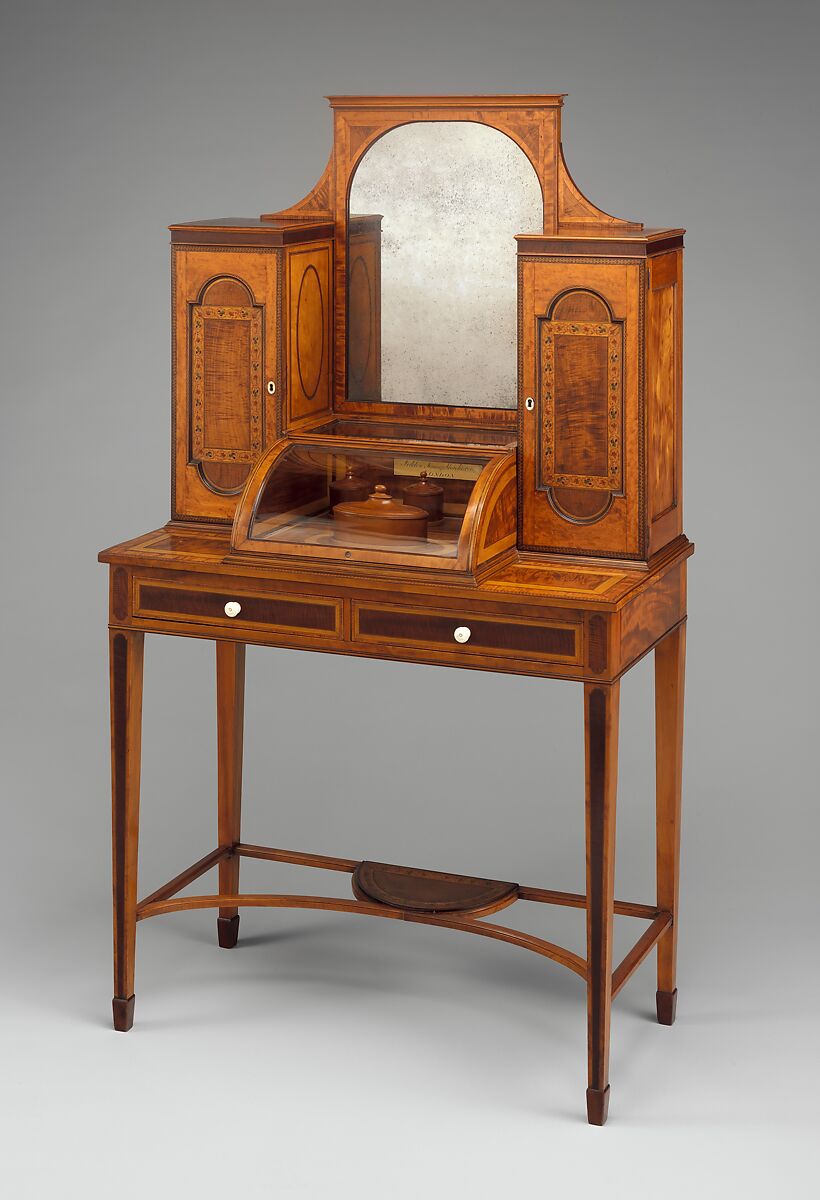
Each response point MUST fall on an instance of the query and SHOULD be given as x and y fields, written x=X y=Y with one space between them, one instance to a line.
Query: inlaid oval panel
x=360 y=301
x=310 y=332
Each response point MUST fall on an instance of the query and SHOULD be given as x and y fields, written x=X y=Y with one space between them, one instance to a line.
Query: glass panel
x=385 y=500
x=434 y=209
x=465 y=435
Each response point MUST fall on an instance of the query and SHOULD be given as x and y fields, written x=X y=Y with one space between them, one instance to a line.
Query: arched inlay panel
x=226 y=400
x=581 y=417
x=226 y=371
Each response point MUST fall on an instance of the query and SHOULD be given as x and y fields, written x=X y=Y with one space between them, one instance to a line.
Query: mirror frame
x=532 y=122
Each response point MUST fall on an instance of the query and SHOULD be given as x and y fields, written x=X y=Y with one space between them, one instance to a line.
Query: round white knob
x=232 y=608
x=462 y=634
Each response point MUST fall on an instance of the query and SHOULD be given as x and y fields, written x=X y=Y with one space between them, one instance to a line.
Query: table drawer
x=499 y=637
x=235 y=607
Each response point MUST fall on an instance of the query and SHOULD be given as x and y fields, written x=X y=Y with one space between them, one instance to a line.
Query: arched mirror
x=433 y=210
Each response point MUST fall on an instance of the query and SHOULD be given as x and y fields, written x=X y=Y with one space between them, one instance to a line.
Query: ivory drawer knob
x=462 y=634
x=233 y=608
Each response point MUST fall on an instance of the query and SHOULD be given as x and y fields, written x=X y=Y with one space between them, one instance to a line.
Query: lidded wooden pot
x=426 y=495
x=380 y=513
x=350 y=487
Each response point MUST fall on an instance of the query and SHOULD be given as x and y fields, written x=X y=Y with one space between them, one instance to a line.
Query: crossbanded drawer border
x=464 y=618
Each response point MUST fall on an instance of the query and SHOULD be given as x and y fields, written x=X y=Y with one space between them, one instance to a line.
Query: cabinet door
x=580 y=408
x=226 y=374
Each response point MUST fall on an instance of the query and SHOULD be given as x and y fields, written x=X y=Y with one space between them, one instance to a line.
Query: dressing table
x=430 y=413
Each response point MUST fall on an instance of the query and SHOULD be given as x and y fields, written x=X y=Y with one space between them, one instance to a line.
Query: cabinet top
x=555 y=100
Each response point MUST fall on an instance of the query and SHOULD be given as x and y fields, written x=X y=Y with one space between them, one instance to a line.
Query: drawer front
x=553 y=641
x=298 y=614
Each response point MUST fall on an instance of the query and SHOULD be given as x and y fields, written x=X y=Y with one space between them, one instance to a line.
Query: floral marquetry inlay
x=226 y=384
x=582 y=405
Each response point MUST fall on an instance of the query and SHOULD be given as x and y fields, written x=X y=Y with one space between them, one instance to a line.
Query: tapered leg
x=230 y=714
x=601 y=742
x=670 y=656
x=126 y=655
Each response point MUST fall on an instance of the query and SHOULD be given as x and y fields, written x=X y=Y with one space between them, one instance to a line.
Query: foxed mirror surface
x=434 y=208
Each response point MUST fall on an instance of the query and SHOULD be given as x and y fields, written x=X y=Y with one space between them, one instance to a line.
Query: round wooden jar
x=348 y=488
x=426 y=495
x=380 y=513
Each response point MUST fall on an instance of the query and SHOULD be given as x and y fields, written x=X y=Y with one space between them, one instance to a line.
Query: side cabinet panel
x=225 y=352
x=664 y=313
x=309 y=270
x=581 y=481
x=364 y=324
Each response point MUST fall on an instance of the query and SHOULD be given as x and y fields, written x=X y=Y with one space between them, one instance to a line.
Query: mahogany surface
x=429 y=891
x=570 y=560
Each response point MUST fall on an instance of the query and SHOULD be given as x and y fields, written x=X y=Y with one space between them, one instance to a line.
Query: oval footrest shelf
x=416 y=890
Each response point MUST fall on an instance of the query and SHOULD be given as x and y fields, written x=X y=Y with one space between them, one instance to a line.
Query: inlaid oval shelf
x=416 y=890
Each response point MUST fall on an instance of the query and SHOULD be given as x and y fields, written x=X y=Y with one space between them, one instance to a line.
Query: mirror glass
x=433 y=212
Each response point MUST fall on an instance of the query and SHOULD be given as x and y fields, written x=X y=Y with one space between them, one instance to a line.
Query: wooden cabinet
x=600 y=397
x=251 y=353
x=226 y=368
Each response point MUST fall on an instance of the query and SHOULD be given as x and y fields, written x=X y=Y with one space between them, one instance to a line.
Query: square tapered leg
x=601 y=750
x=230 y=712
x=670 y=657
x=126 y=658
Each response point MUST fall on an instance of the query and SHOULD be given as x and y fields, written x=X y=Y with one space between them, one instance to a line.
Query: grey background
x=325 y=1050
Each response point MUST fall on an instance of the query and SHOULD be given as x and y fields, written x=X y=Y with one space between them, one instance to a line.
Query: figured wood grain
x=231 y=392
x=651 y=613
x=664 y=387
